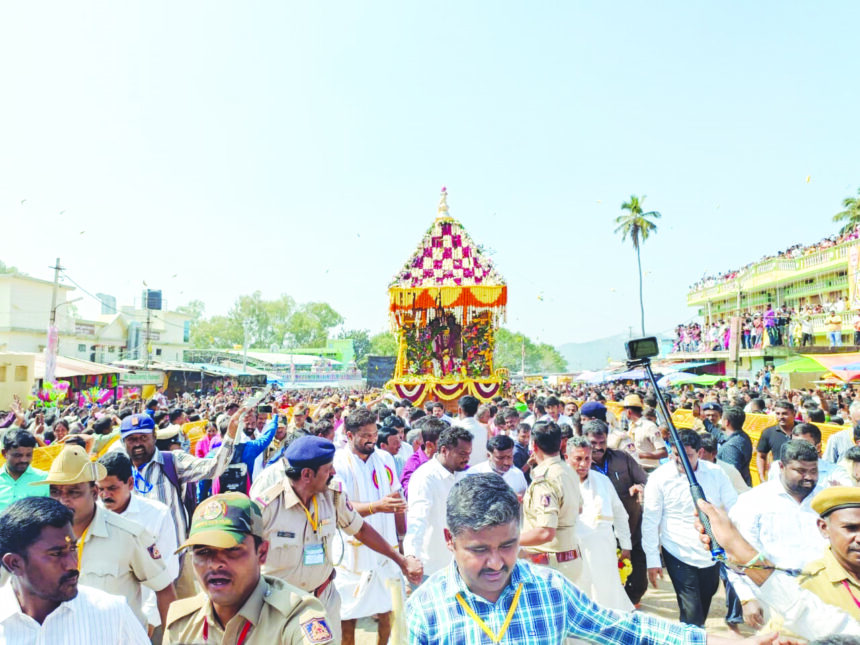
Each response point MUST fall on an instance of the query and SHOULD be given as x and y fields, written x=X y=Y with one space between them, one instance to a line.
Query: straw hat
x=73 y=466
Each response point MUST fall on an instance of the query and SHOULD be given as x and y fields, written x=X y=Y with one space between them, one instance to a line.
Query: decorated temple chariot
x=445 y=305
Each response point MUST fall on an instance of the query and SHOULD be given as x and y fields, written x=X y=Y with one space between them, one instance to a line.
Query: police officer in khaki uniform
x=551 y=506
x=650 y=447
x=238 y=604
x=115 y=555
x=835 y=577
x=302 y=511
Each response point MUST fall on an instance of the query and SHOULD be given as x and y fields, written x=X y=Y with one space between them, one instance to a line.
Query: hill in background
x=596 y=354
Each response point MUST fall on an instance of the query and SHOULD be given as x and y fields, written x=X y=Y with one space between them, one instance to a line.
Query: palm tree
x=637 y=226
x=851 y=214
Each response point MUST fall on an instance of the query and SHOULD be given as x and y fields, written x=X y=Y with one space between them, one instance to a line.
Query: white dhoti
x=601 y=581
x=367 y=593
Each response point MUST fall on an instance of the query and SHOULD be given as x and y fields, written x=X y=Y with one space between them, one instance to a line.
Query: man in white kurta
x=603 y=520
x=426 y=518
x=369 y=583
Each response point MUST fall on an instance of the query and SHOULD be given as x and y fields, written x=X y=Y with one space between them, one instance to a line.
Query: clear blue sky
x=213 y=149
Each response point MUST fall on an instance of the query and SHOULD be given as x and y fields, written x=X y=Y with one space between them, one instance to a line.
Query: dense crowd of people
x=224 y=517
x=783 y=326
x=792 y=252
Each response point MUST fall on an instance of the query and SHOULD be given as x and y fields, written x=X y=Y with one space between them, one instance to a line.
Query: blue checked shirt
x=551 y=608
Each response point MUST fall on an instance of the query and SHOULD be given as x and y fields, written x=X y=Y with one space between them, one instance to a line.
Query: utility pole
x=52 y=346
x=146 y=339
x=57 y=268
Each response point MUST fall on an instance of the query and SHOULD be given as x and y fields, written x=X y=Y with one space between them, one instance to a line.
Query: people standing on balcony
x=833 y=324
x=839 y=305
x=770 y=324
x=783 y=322
x=806 y=326
x=855 y=322
x=758 y=331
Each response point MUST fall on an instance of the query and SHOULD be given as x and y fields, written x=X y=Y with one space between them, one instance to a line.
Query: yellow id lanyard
x=313 y=519
x=80 y=546
x=495 y=638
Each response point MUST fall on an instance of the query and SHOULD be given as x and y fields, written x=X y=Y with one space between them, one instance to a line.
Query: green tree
x=539 y=357
x=850 y=215
x=360 y=341
x=8 y=268
x=309 y=326
x=383 y=344
x=194 y=309
x=637 y=225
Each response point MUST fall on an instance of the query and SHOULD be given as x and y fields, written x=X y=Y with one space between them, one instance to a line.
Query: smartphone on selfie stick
x=639 y=354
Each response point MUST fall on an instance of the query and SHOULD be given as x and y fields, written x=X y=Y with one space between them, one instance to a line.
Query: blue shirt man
x=487 y=592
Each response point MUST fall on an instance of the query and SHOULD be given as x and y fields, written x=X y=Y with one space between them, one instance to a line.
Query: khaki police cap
x=632 y=401
x=73 y=466
x=836 y=498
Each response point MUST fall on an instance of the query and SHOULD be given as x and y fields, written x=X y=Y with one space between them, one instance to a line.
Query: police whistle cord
x=717 y=552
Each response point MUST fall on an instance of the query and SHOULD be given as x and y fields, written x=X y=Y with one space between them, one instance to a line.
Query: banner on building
x=854 y=278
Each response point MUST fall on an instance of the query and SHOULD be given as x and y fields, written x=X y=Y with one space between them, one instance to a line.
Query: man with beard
x=777 y=518
x=302 y=510
x=237 y=603
x=17 y=473
x=367 y=583
x=43 y=603
x=628 y=478
x=773 y=438
x=115 y=554
x=429 y=488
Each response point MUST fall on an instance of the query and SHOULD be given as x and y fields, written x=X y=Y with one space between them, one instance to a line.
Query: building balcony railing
x=771 y=272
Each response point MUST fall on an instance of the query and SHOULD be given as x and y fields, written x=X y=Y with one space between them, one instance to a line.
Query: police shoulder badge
x=545 y=500
x=154 y=553
x=212 y=510
x=317 y=630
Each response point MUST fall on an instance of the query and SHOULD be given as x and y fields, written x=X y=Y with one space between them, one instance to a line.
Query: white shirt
x=601 y=504
x=155 y=517
x=773 y=522
x=829 y=474
x=368 y=481
x=93 y=617
x=802 y=611
x=513 y=476
x=668 y=516
x=405 y=451
x=734 y=476
x=838 y=444
x=562 y=419
x=426 y=515
x=479 y=440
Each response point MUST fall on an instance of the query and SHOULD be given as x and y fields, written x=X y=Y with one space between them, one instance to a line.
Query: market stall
x=445 y=305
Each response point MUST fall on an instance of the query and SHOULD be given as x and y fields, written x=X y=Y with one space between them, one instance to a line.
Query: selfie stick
x=717 y=552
